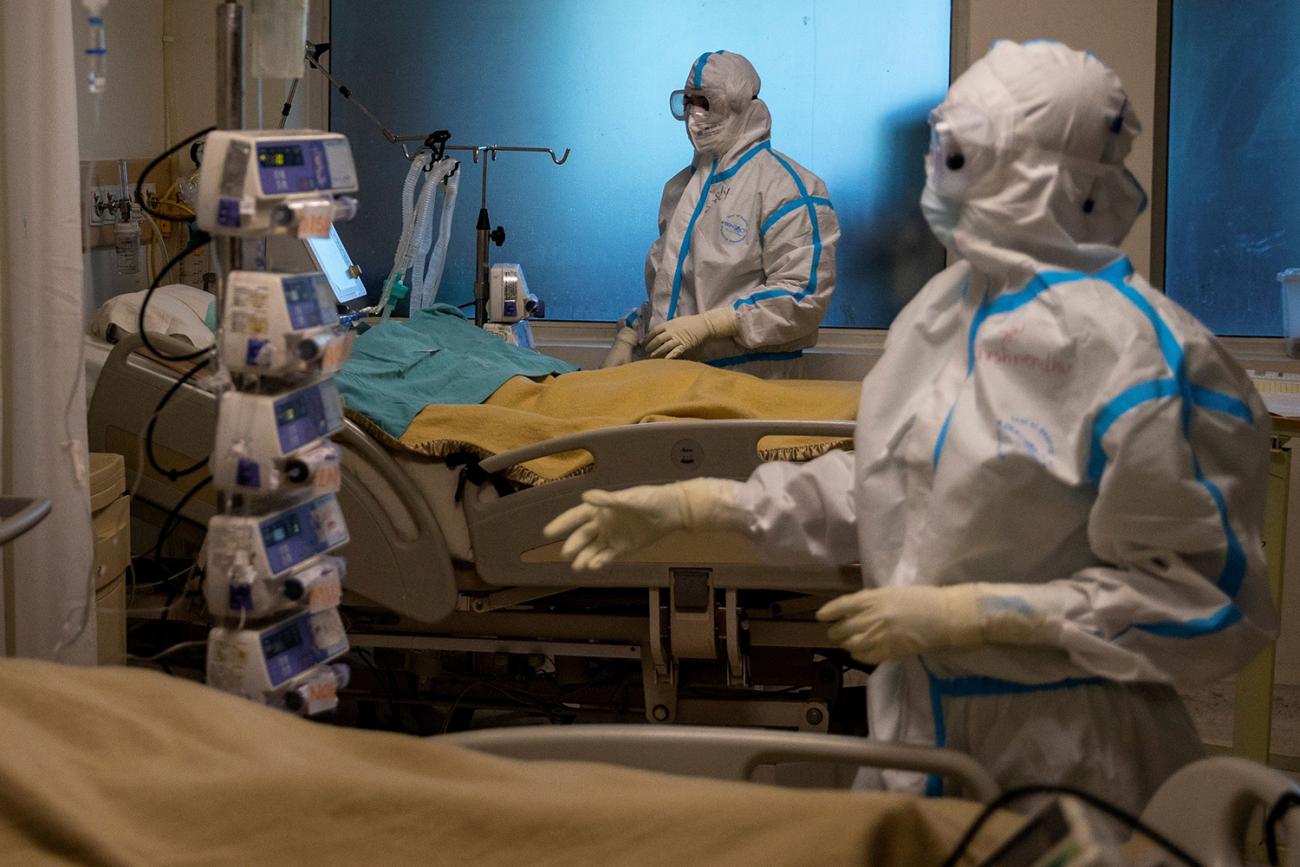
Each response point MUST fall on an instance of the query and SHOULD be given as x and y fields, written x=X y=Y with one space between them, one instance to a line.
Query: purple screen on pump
x=292 y=167
x=301 y=297
x=289 y=538
x=289 y=650
x=301 y=418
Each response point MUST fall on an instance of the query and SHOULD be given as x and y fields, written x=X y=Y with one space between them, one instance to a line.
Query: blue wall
x=1234 y=161
x=849 y=84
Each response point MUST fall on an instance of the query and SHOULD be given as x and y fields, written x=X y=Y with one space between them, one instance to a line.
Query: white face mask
x=942 y=215
x=705 y=136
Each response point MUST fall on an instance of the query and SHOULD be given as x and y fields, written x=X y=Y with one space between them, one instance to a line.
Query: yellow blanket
x=124 y=766
x=523 y=412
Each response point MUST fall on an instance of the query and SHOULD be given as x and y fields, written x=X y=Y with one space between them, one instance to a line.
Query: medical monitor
x=325 y=254
x=332 y=258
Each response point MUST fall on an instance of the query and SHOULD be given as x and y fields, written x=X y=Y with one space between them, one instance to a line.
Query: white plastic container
x=1289 y=281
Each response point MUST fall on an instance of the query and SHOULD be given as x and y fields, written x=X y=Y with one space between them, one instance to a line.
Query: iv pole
x=483 y=229
x=484 y=233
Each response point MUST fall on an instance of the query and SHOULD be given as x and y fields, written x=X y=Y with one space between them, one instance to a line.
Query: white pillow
x=176 y=310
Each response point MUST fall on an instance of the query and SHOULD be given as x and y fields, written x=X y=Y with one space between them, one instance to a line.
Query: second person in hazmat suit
x=1057 y=487
x=744 y=266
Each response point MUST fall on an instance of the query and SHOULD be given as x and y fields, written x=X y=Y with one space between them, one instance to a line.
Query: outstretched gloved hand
x=887 y=623
x=622 y=350
x=609 y=524
x=676 y=337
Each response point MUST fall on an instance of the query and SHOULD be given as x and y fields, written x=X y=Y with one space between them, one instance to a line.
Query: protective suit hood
x=1028 y=149
x=742 y=119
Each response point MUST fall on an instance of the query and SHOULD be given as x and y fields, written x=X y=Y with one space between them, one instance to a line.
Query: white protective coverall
x=1042 y=417
x=746 y=228
x=1045 y=436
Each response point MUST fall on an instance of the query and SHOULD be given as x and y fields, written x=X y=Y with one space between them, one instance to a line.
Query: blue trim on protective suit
x=1234 y=564
x=686 y=242
x=811 y=287
x=934 y=782
x=1116 y=274
x=1111 y=412
x=699 y=67
x=630 y=319
x=791 y=206
x=733 y=360
x=1219 y=620
x=712 y=179
x=943 y=436
x=1220 y=402
x=764 y=145
x=979 y=685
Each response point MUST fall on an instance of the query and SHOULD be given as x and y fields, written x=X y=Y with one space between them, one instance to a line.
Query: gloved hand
x=678 y=336
x=894 y=622
x=621 y=352
x=609 y=524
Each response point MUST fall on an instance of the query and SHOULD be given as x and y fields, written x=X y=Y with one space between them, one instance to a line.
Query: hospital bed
x=426 y=573
x=1212 y=808
x=236 y=782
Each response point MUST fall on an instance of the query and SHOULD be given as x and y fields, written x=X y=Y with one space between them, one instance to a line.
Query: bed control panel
x=272 y=578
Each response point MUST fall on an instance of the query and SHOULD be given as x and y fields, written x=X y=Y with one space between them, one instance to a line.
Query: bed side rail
x=720 y=753
x=1206 y=807
x=506 y=530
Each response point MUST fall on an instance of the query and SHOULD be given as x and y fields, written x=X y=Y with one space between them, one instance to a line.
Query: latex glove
x=679 y=336
x=894 y=622
x=622 y=350
x=609 y=524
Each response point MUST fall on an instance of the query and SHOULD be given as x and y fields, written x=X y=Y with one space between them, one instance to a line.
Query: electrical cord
x=173 y=520
x=157 y=161
x=168 y=652
x=171 y=474
x=1123 y=816
x=198 y=238
x=1275 y=815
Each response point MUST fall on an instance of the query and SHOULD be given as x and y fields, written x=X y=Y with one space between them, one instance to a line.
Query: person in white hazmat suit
x=744 y=266
x=1057 y=487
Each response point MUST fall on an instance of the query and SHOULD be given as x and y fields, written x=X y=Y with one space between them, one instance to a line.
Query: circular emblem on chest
x=734 y=228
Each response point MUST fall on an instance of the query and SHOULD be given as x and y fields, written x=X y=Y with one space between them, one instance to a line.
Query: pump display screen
x=303 y=532
x=303 y=301
x=293 y=167
x=279 y=156
x=285 y=541
x=307 y=415
x=289 y=650
x=278 y=642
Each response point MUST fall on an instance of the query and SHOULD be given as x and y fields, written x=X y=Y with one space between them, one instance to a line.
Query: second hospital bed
x=429 y=573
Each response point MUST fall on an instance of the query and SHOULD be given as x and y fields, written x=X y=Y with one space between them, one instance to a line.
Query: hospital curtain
x=48 y=583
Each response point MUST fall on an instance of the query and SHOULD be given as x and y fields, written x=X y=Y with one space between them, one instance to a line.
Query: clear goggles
x=704 y=98
x=961 y=149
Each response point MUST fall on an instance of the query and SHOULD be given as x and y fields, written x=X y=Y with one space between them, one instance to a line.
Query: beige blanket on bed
x=125 y=766
x=523 y=412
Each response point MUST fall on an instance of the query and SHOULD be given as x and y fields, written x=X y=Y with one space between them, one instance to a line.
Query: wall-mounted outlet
x=105 y=204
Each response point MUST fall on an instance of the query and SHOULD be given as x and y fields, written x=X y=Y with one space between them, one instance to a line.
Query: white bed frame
x=399 y=559
x=1211 y=808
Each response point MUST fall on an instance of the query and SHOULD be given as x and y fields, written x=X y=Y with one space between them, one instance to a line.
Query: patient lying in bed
x=125 y=766
x=438 y=386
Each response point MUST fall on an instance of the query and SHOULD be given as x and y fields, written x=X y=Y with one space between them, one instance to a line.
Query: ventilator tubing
x=426 y=276
x=417 y=232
